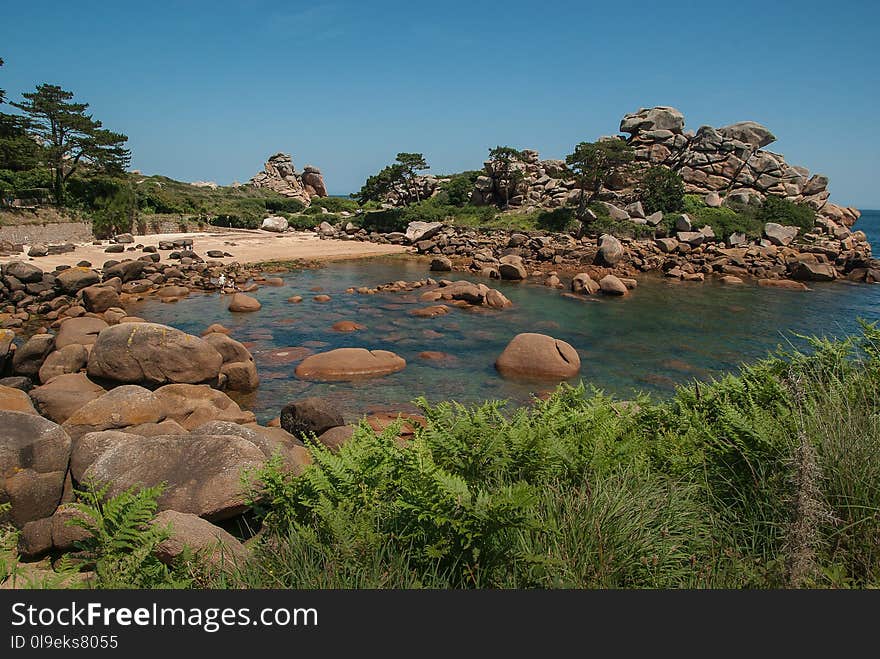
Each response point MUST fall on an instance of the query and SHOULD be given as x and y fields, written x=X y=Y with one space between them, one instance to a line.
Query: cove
x=663 y=334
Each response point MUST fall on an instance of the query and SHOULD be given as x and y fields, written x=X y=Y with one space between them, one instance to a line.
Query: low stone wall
x=50 y=233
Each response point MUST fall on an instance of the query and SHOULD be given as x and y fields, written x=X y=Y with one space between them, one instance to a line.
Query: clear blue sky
x=207 y=90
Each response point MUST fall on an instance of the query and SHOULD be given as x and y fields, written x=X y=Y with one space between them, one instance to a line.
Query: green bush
x=284 y=205
x=334 y=204
x=662 y=190
x=724 y=220
x=459 y=187
x=782 y=211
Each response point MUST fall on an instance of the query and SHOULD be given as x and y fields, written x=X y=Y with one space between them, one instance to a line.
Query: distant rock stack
x=280 y=175
x=729 y=162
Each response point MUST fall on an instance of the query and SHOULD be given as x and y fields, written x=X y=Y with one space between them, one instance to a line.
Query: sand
x=246 y=246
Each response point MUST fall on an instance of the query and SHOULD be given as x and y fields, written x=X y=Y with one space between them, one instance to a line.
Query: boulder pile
x=281 y=176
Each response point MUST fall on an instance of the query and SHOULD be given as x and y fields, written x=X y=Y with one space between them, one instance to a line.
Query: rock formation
x=725 y=164
x=280 y=175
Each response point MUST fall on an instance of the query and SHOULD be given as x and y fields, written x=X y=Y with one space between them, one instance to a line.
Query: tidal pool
x=664 y=333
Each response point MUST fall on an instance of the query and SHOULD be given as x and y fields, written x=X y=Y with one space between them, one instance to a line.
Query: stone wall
x=61 y=232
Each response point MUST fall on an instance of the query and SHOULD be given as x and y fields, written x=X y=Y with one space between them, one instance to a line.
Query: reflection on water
x=662 y=334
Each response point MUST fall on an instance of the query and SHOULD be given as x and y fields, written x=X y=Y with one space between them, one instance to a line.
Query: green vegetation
x=766 y=479
x=782 y=211
x=71 y=138
x=662 y=190
x=396 y=177
x=122 y=540
x=741 y=218
x=594 y=164
x=507 y=173
x=459 y=187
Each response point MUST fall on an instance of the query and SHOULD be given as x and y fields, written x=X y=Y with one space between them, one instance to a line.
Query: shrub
x=662 y=190
x=459 y=187
x=782 y=211
x=335 y=204
x=724 y=220
x=284 y=205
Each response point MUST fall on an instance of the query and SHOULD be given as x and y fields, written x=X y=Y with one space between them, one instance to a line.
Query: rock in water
x=345 y=364
x=310 y=415
x=242 y=303
x=611 y=285
x=538 y=356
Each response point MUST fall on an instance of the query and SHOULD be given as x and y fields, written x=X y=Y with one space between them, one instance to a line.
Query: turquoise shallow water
x=662 y=334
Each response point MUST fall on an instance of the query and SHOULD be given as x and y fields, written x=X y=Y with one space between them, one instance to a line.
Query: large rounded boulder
x=345 y=364
x=152 y=354
x=202 y=474
x=34 y=453
x=538 y=356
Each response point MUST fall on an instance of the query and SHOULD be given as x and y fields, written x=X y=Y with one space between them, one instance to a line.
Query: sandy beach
x=246 y=246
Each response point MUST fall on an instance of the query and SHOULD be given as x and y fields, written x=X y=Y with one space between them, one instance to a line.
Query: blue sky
x=207 y=90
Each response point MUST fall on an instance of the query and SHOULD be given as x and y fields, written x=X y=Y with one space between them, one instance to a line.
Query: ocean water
x=663 y=334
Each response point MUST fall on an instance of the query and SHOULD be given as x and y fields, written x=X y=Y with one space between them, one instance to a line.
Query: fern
x=122 y=540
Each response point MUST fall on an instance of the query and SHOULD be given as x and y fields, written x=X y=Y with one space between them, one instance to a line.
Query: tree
x=507 y=175
x=70 y=136
x=410 y=163
x=378 y=186
x=398 y=177
x=594 y=164
x=662 y=190
x=18 y=152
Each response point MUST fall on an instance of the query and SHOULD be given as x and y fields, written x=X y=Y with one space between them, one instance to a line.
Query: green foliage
x=428 y=210
x=581 y=491
x=334 y=204
x=284 y=205
x=123 y=540
x=71 y=136
x=594 y=164
x=116 y=214
x=724 y=220
x=662 y=190
x=782 y=211
x=506 y=170
x=459 y=187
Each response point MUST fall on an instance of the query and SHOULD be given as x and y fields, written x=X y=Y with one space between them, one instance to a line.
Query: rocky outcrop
x=280 y=175
x=727 y=163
